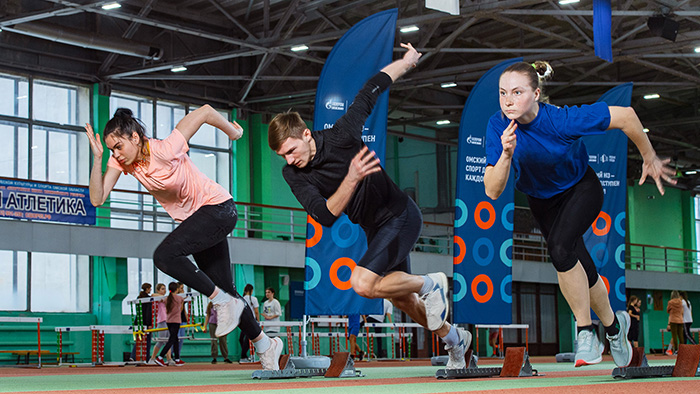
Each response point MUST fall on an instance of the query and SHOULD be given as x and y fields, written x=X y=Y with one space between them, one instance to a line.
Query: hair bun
x=123 y=113
x=543 y=69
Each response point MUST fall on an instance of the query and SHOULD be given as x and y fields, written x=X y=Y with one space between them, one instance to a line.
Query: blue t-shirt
x=549 y=155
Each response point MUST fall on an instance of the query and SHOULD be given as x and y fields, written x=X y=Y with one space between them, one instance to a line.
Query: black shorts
x=389 y=246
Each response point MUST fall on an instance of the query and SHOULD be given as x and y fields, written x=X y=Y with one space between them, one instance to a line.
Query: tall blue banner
x=483 y=237
x=47 y=202
x=605 y=240
x=332 y=252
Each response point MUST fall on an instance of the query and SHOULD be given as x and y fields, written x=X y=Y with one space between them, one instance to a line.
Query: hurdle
x=59 y=339
x=687 y=365
x=404 y=350
x=37 y=320
x=500 y=328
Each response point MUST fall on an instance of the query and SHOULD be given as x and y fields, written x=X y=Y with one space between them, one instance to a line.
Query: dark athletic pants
x=564 y=218
x=203 y=235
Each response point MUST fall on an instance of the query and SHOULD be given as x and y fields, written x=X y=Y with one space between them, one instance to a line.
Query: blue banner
x=332 y=252
x=605 y=240
x=43 y=201
x=602 y=20
x=483 y=240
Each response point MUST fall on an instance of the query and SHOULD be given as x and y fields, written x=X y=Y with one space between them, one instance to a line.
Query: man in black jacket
x=332 y=171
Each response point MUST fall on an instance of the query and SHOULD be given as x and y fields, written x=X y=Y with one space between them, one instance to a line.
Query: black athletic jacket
x=376 y=198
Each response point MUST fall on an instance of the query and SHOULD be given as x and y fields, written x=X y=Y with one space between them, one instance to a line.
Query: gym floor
x=404 y=377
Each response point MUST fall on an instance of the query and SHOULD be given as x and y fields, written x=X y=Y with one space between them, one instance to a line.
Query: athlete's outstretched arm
x=626 y=119
x=100 y=186
x=208 y=115
x=399 y=67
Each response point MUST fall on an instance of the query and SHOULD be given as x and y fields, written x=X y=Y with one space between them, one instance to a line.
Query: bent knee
x=363 y=284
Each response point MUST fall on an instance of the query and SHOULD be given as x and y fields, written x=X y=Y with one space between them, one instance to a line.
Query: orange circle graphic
x=606 y=282
x=601 y=231
x=489 y=288
x=462 y=250
x=477 y=215
x=343 y=261
x=318 y=232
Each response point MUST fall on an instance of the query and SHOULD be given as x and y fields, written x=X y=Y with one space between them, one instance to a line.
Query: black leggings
x=564 y=219
x=203 y=235
x=173 y=330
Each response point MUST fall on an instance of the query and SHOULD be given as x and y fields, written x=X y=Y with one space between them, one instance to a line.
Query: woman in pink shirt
x=205 y=210
x=173 y=306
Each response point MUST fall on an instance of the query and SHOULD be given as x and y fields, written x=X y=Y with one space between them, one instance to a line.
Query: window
x=60 y=283
x=50 y=146
x=13 y=280
x=14 y=150
x=60 y=156
x=14 y=98
x=60 y=103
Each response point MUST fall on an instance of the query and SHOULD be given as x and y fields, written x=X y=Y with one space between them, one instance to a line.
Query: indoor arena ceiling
x=238 y=54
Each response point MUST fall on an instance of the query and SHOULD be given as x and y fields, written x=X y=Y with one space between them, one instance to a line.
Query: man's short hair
x=283 y=126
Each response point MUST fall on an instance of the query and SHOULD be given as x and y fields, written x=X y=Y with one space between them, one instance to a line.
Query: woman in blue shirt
x=550 y=164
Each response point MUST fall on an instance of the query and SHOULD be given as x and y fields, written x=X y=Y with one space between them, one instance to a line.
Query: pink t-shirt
x=174 y=313
x=162 y=314
x=173 y=179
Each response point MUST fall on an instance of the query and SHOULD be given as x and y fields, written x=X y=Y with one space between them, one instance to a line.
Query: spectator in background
x=161 y=316
x=634 y=310
x=353 y=330
x=493 y=341
x=687 y=319
x=254 y=305
x=675 y=319
x=271 y=311
x=173 y=305
x=223 y=345
x=387 y=312
x=182 y=332
x=147 y=320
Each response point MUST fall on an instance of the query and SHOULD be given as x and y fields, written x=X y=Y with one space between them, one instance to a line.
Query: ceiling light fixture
x=111 y=6
x=442 y=122
x=177 y=69
x=651 y=96
x=409 y=29
x=448 y=85
x=565 y=2
x=299 y=48
x=645 y=130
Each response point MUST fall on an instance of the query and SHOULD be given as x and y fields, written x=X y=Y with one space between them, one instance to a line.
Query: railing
x=659 y=258
x=139 y=211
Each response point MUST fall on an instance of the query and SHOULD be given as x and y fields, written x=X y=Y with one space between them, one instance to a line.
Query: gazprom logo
x=335 y=105
x=474 y=140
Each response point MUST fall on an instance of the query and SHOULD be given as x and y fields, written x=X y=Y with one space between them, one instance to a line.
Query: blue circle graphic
x=510 y=207
x=620 y=256
x=458 y=295
x=344 y=225
x=477 y=256
x=618 y=291
x=465 y=213
x=618 y=223
x=594 y=254
x=507 y=298
x=315 y=270
x=508 y=261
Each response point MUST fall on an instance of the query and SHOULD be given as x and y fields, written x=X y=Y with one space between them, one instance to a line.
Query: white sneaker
x=270 y=359
x=457 y=352
x=436 y=304
x=589 y=350
x=620 y=346
x=228 y=316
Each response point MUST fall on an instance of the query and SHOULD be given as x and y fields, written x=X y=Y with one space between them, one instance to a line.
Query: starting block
x=515 y=364
x=687 y=365
x=342 y=366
